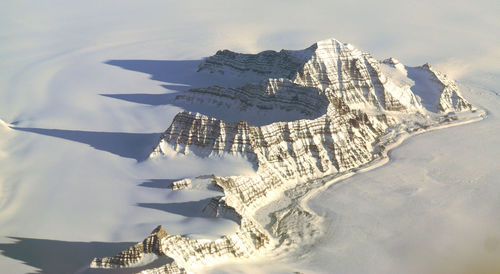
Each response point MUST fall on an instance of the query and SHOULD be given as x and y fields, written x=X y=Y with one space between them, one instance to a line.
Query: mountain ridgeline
x=350 y=108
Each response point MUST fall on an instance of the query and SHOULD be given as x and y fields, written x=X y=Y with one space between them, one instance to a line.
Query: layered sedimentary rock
x=337 y=141
x=339 y=70
x=189 y=252
x=268 y=64
x=271 y=94
x=350 y=102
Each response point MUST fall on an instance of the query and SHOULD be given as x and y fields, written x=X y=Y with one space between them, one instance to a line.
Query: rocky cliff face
x=267 y=64
x=270 y=94
x=340 y=71
x=351 y=105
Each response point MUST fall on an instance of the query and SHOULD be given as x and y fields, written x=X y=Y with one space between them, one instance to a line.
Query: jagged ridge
x=351 y=104
x=339 y=70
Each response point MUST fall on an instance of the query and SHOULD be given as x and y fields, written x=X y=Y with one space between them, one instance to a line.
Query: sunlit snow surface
x=433 y=208
x=67 y=178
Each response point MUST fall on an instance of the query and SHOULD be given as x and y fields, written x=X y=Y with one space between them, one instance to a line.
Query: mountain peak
x=330 y=42
x=351 y=108
x=333 y=45
x=342 y=71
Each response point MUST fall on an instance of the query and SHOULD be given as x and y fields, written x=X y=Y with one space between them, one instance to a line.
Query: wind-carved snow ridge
x=354 y=107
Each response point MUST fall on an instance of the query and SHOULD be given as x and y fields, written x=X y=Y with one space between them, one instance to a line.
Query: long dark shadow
x=159 y=183
x=137 y=146
x=254 y=115
x=52 y=256
x=179 y=75
x=145 y=98
x=182 y=72
x=187 y=209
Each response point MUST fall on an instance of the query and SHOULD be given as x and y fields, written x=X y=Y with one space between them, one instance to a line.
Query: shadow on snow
x=159 y=183
x=187 y=209
x=52 y=256
x=182 y=75
x=137 y=146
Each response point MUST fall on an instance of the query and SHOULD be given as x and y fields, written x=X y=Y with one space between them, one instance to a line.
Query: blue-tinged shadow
x=147 y=99
x=254 y=116
x=187 y=209
x=192 y=209
x=180 y=75
x=159 y=183
x=424 y=87
x=181 y=72
x=52 y=256
x=137 y=146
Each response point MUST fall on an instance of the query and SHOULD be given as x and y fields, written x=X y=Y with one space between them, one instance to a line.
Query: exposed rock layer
x=350 y=101
x=271 y=94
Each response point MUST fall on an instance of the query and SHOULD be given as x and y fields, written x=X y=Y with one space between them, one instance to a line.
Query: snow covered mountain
x=350 y=108
x=341 y=71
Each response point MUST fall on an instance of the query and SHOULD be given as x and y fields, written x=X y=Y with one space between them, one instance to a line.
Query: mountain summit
x=350 y=108
x=341 y=71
